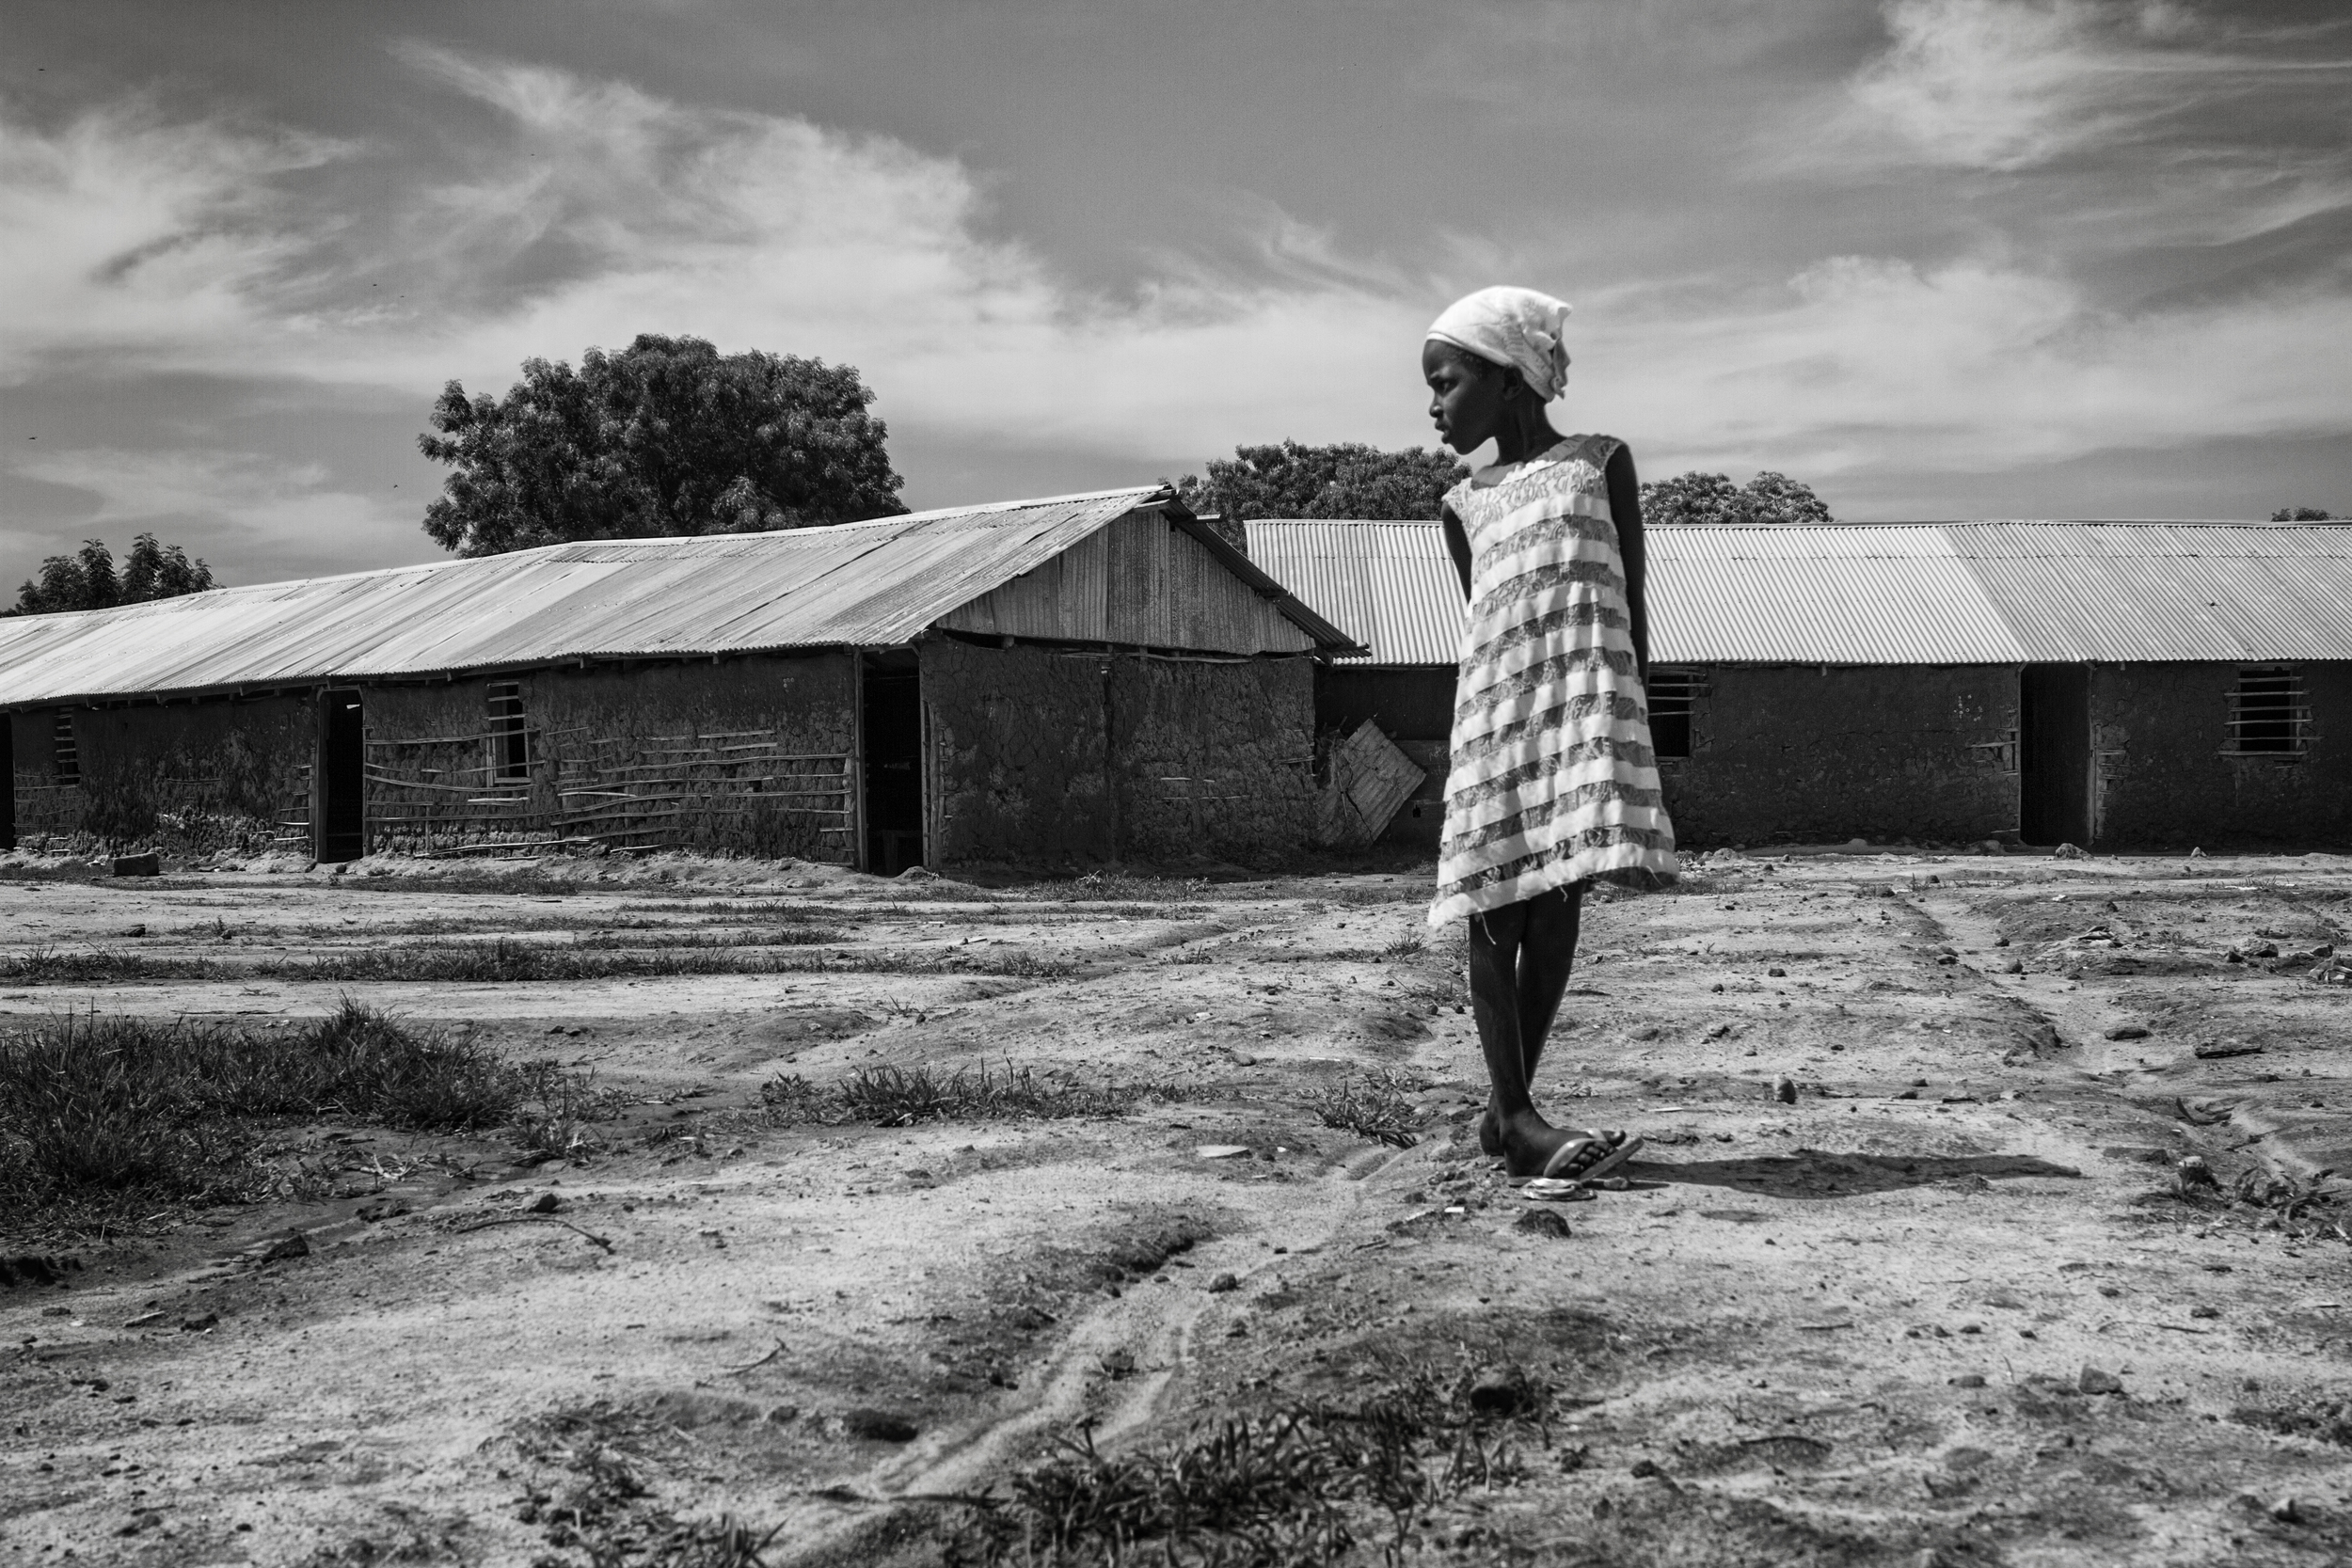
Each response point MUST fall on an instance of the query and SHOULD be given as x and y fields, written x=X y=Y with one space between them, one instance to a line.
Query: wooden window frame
x=2270 y=714
x=1675 y=692
x=65 y=751
x=510 y=733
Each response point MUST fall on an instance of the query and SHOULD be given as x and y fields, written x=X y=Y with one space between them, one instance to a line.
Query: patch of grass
x=558 y=1107
x=730 y=910
x=1373 y=1106
x=2324 y=1419
x=1098 y=887
x=1306 y=1483
x=47 y=966
x=901 y=1097
x=782 y=936
x=99 y=1113
x=1404 y=947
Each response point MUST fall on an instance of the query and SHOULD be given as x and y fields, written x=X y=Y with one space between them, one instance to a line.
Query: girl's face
x=1466 y=395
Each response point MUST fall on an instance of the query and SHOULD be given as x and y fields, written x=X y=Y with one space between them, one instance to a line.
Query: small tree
x=1343 y=480
x=2302 y=514
x=667 y=437
x=1768 y=497
x=86 y=579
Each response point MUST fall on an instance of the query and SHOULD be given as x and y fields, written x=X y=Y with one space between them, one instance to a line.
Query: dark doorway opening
x=891 y=717
x=342 y=831
x=7 y=782
x=2054 y=753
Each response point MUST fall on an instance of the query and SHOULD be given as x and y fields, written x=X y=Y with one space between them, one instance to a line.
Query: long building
x=2113 y=685
x=1083 y=678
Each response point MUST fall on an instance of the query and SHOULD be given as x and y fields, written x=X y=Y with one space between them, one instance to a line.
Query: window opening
x=2267 y=714
x=68 y=758
x=510 y=742
x=1672 y=696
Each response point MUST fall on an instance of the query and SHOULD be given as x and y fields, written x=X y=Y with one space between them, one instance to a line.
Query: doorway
x=2054 y=753
x=340 y=833
x=890 y=713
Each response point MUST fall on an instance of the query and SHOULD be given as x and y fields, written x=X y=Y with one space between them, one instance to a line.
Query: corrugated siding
x=855 y=584
x=1985 y=592
x=1140 y=580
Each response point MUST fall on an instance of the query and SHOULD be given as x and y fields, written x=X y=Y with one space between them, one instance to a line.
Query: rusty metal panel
x=854 y=584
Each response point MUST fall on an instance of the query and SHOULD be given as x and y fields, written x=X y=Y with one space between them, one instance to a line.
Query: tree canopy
x=1345 y=480
x=87 y=579
x=2302 y=514
x=1768 y=497
x=667 y=437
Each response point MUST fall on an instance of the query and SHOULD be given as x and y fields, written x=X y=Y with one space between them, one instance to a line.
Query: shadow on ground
x=1808 y=1174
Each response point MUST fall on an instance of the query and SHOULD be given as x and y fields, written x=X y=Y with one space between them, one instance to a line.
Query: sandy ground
x=1857 y=1328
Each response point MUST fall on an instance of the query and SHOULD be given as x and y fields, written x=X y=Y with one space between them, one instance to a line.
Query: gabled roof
x=865 y=584
x=1950 y=592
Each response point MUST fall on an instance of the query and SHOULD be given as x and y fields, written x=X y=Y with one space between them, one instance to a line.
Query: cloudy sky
x=1938 y=258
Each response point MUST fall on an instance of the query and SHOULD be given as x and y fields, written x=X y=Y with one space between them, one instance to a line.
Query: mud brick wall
x=1214 y=759
x=187 y=779
x=746 y=756
x=1801 y=755
x=1018 y=754
x=1413 y=704
x=2160 y=779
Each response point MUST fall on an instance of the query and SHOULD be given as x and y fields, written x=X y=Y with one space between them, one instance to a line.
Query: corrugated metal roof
x=1389 y=583
x=852 y=584
x=1946 y=592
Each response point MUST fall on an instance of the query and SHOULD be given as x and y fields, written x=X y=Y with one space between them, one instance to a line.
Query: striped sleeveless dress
x=1554 y=780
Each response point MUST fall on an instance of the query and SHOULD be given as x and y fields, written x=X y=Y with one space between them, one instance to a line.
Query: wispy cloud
x=267 y=517
x=564 y=210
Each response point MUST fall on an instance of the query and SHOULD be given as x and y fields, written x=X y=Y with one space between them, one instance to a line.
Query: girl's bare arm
x=1625 y=505
x=1458 y=545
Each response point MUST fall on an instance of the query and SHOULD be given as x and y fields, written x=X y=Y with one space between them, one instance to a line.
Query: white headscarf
x=1517 y=327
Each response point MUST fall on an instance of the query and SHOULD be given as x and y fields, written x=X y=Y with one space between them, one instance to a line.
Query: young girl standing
x=1553 y=782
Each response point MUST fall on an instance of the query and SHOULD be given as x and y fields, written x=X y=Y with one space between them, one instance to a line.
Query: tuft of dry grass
x=1304 y=1484
x=1373 y=1106
x=901 y=1097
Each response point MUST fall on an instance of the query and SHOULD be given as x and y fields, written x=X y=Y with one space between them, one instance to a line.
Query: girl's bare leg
x=1546 y=958
x=1500 y=977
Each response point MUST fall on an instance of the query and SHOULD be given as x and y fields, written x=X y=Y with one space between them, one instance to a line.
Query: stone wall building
x=2114 y=684
x=1078 y=678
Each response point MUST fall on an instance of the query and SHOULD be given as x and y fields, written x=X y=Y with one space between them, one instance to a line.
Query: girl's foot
x=1489 y=1134
x=1533 y=1148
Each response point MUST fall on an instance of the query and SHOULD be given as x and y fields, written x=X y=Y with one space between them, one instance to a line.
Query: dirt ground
x=1945 y=1306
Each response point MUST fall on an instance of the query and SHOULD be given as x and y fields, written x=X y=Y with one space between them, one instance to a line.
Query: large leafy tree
x=2302 y=514
x=1345 y=480
x=87 y=579
x=668 y=436
x=1768 y=497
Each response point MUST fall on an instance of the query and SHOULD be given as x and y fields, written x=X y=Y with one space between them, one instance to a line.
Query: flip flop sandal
x=1551 y=1189
x=1615 y=1150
